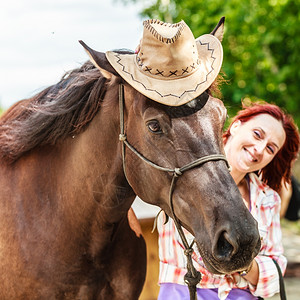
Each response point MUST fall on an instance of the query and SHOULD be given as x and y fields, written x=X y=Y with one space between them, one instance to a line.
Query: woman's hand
x=253 y=274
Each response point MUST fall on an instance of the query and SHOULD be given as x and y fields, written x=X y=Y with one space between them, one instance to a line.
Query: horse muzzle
x=229 y=252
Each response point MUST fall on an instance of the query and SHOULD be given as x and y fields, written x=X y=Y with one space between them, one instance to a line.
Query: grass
x=293 y=226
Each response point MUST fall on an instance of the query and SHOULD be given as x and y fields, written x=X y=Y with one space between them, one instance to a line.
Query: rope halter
x=192 y=277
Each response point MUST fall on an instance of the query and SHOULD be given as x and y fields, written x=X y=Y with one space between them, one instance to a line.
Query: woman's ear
x=235 y=126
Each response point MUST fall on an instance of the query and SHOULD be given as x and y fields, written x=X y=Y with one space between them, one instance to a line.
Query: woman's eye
x=257 y=134
x=270 y=149
x=154 y=127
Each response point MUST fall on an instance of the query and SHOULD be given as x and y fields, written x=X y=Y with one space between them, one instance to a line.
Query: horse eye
x=154 y=127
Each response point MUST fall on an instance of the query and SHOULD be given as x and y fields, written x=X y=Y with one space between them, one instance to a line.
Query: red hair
x=280 y=167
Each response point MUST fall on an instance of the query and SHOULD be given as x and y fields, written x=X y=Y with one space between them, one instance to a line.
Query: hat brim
x=173 y=91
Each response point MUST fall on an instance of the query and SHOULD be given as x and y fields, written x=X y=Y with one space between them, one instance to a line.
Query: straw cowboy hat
x=171 y=66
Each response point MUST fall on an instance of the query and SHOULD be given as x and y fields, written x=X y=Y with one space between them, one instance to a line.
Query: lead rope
x=192 y=277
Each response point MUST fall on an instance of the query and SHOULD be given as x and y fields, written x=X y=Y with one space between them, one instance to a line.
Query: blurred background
x=39 y=40
x=261 y=44
x=39 y=43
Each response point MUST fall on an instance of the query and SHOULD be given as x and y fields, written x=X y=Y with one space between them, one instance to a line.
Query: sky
x=39 y=39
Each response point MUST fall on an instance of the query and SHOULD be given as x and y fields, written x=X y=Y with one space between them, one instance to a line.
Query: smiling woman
x=279 y=167
x=253 y=144
x=261 y=144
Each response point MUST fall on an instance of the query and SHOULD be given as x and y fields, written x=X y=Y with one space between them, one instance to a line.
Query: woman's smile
x=251 y=157
x=253 y=144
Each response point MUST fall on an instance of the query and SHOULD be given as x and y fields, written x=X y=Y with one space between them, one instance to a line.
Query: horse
x=68 y=181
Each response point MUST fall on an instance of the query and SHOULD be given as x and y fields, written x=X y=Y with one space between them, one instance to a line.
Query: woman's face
x=253 y=144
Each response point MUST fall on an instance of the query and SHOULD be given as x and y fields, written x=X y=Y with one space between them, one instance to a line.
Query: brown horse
x=64 y=231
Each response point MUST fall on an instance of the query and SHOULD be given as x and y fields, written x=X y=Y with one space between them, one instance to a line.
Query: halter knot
x=188 y=251
x=122 y=137
x=177 y=172
x=190 y=280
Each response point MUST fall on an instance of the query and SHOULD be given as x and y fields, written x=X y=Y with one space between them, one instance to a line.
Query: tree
x=261 y=45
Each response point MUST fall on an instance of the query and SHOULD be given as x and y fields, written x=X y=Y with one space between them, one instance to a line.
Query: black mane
x=188 y=108
x=58 y=111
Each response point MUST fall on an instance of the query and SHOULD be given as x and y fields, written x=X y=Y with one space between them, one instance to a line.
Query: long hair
x=280 y=167
x=55 y=113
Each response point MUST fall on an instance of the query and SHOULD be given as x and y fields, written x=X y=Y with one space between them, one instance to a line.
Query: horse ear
x=218 y=32
x=99 y=60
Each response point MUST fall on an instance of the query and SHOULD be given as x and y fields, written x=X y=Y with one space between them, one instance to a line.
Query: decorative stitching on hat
x=147 y=69
x=152 y=90
x=193 y=66
x=173 y=73
x=148 y=24
x=159 y=72
x=185 y=70
x=212 y=52
x=180 y=25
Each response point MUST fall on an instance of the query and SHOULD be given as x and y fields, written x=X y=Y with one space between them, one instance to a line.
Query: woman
x=260 y=144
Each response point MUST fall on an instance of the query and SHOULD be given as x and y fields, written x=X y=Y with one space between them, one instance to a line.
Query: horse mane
x=60 y=110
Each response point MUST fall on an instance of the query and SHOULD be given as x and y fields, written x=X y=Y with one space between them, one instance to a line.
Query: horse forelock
x=188 y=108
x=58 y=111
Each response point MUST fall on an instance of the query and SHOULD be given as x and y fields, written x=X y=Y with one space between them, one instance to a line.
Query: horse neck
x=97 y=153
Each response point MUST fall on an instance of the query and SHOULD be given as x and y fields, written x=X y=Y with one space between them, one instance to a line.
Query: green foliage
x=261 y=45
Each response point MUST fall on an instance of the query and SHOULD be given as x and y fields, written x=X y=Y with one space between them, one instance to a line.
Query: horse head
x=162 y=139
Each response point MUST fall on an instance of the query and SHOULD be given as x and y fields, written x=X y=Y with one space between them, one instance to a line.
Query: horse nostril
x=225 y=247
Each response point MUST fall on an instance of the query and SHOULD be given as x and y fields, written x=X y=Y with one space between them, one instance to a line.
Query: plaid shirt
x=265 y=207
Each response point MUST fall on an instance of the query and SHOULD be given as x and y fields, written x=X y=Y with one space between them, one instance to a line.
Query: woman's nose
x=259 y=148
